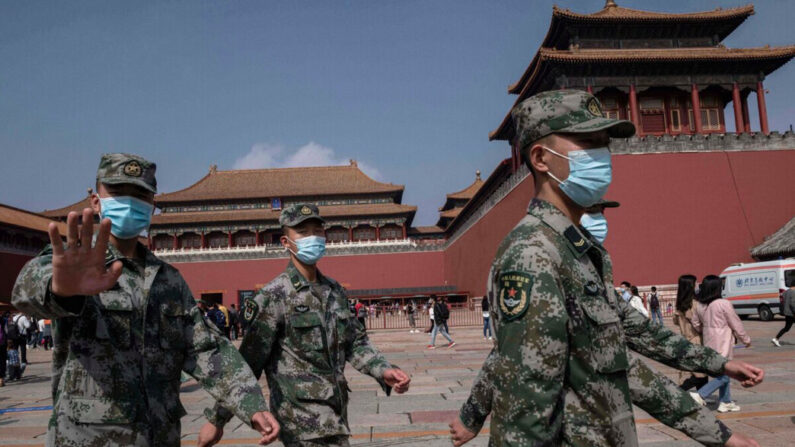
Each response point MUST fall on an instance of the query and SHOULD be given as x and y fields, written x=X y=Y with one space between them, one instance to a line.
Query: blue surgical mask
x=590 y=173
x=128 y=216
x=310 y=249
x=596 y=224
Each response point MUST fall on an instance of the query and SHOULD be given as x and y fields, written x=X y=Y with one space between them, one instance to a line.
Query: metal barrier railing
x=398 y=319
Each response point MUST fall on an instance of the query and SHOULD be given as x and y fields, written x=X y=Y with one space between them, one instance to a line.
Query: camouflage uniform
x=119 y=354
x=573 y=376
x=301 y=334
x=561 y=373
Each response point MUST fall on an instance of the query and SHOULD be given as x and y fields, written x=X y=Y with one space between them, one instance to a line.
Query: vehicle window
x=789 y=277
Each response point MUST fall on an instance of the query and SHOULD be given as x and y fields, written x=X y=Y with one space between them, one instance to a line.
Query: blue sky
x=408 y=88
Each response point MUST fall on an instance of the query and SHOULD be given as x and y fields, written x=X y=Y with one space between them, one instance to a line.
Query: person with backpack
x=3 y=342
x=440 y=315
x=654 y=306
x=233 y=322
x=17 y=330
x=411 y=312
x=361 y=313
x=217 y=318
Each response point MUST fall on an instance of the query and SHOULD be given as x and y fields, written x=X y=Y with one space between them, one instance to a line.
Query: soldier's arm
x=32 y=294
x=477 y=407
x=365 y=357
x=264 y=322
x=663 y=345
x=665 y=401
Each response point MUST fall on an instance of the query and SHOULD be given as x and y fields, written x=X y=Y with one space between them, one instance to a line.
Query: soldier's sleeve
x=219 y=368
x=532 y=346
x=365 y=357
x=662 y=344
x=32 y=295
x=477 y=407
x=665 y=401
x=263 y=316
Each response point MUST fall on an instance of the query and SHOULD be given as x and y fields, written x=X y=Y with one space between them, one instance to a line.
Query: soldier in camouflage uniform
x=126 y=325
x=561 y=373
x=301 y=333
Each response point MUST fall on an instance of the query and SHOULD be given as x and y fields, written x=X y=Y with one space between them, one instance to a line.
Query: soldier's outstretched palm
x=79 y=269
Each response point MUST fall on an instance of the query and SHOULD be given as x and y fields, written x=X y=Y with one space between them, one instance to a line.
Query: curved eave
x=62 y=212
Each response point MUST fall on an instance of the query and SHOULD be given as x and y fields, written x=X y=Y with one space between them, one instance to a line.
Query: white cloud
x=265 y=155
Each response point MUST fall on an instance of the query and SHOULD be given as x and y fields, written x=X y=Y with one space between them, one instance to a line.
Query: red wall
x=375 y=271
x=12 y=264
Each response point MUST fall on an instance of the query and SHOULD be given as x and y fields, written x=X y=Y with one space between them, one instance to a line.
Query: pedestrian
x=14 y=364
x=445 y=314
x=683 y=318
x=654 y=306
x=719 y=324
x=788 y=309
x=636 y=302
x=559 y=373
x=47 y=334
x=19 y=326
x=33 y=335
x=361 y=313
x=3 y=347
x=484 y=307
x=302 y=335
x=218 y=318
x=226 y=327
x=126 y=324
x=233 y=322
x=625 y=291
x=411 y=311
x=439 y=316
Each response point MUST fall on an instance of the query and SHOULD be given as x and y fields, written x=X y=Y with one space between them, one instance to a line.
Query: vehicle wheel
x=765 y=314
x=743 y=317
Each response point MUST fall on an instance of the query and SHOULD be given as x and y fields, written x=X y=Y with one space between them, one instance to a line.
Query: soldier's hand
x=79 y=269
x=748 y=375
x=460 y=434
x=397 y=379
x=266 y=425
x=740 y=440
x=209 y=435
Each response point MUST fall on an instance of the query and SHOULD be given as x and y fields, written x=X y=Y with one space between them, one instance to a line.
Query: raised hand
x=79 y=269
x=266 y=425
x=397 y=379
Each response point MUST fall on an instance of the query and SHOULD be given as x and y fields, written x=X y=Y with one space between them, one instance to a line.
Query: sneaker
x=699 y=400
x=452 y=343
x=726 y=407
x=431 y=347
x=775 y=342
x=489 y=338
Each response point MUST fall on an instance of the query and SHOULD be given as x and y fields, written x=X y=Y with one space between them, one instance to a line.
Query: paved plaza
x=441 y=380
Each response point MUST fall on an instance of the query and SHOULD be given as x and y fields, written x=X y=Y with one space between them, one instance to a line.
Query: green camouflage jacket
x=119 y=354
x=301 y=334
x=561 y=373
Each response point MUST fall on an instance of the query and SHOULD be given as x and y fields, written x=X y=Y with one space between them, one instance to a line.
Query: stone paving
x=441 y=380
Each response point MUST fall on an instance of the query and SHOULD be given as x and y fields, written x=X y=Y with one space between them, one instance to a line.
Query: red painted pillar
x=694 y=98
x=635 y=110
x=667 y=115
x=230 y=240
x=256 y=238
x=760 y=99
x=404 y=231
x=204 y=242
x=377 y=233
x=746 y=120
x=176 y=242
x=738 y=109
x=350 y=234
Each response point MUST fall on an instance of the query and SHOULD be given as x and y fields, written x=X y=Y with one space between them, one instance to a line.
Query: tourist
x=226 y=326
x=3 y=347
x=719 y=324
x=117 y=383
x=484 y=307
x=233 y=322
x=624 y=290
x=46 y=333
x=300 y=327
x=14 y=365
x=411 y=311
x=439 y=316
x=430 y=316
x=788 y=309
x=361 y=313
x=217 y=317
x=654 y=306
x=19 y=333
x=683 y=318
x=636 y=302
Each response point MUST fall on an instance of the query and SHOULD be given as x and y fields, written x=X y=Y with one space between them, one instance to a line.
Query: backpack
x=218 y=318
x=12 y=329
x=444 y=312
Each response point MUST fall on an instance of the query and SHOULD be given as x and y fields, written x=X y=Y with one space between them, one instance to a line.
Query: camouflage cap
x=117 y=169
x=564 y=111
x=300 y=212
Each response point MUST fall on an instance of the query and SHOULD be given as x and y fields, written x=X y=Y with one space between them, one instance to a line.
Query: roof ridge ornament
x=610 y=4
x=213 y=169
x=477 y=174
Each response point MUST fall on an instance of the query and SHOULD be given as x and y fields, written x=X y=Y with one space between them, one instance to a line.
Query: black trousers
x=3 y=361
x=787 y=326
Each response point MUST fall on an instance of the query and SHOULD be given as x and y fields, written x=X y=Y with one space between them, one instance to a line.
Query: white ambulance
x=756 y=288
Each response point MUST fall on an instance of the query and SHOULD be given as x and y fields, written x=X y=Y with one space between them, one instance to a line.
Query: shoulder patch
x=250 y=310
x=513 y=297
x=577 y=240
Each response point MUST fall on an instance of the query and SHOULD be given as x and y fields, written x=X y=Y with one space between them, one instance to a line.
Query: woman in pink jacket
x=719 y=324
